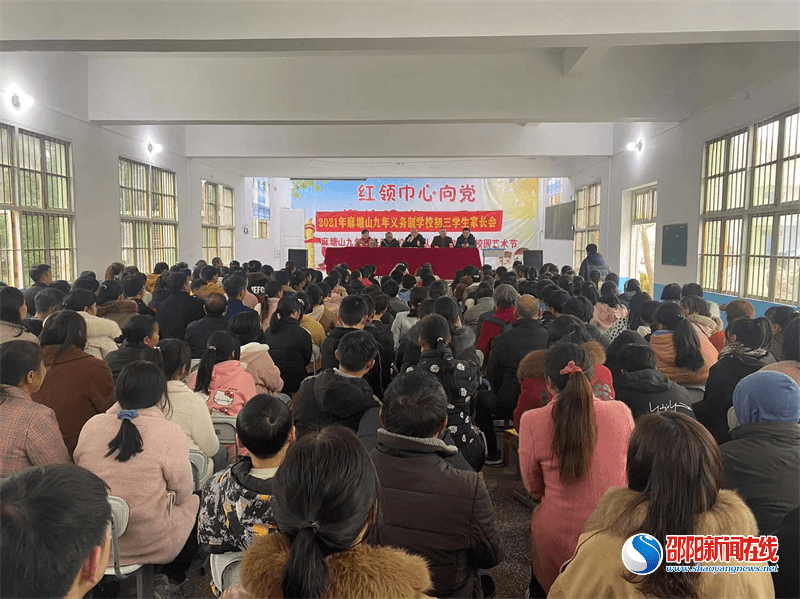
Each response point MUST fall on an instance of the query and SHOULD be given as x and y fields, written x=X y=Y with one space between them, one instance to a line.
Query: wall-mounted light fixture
x=16 y=99
x=635 y=146
x=153 y=147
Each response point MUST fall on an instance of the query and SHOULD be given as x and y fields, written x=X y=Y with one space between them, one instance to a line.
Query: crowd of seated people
x=614 y=397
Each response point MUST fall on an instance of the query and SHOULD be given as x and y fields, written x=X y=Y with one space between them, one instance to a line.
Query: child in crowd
x=100 y=332
x=254 y=354
x=140 y=333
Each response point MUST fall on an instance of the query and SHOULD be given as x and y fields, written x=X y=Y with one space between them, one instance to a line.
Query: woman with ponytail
x=460 y=379
x=681 y=354
x=745 y=353
x=570 y=451
x=289 y=343
x=29 y=434
x=325 y=502
x=221 y=378
x=144 y=459
x=140 y=333
x=608 y=309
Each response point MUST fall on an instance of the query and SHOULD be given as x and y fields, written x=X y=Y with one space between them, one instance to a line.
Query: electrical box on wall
x=277 y=254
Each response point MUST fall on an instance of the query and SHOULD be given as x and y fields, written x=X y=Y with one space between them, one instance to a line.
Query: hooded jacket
x=723 y=377
x=100 y=335
x=331 y=398
x=120 y=311
x=235 y=509
x=324 y=317
x=378 y=377
x=596 y=568
x=258 y=363
x=594 y=262
x=456 y=534
x=532 y=372
x=230 y=388
x=762 y=464
x=198 y=332
x=358 y=573
x=649 y=391
x=605 y=316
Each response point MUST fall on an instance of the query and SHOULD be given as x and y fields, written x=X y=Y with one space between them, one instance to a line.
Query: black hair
x=608 y=294
x=580 y=307
x=591 y=248
x=634 y=357
x=356 y=350
x=390 y=287
x=613 y=277
x=622 y=340
x=753 y=333
x=247 y=328
x=352 y=310
x=109 y=291
x=221 y=345
x=51 y=518
x=208 y=272
x=114 y=270
x=448 y=308
x=326 y=492
x=315 y=297
x=414 y=405
x=566 y=283
x=65 y=328
x=567 y=328
x=86 y=283
x=688 y=353
x=437 y=289
x=370 y=304
x=287 y=305
x=263 y=425
x=267 y=270
x=791 y=340
x=197 y=284
x=160 y=267
x=176 y=356
x=325 y=289
x=590 y=292
x=62 y=285
x=672 y=291
x=140 y=385
x=11 y=301
x=409 y=281
x=691 y=289
x=695 y=305
x=48 y=299
x=434 y=331
x=132 y=285
x=282 y=277
x=483 y=291
x=176 y=281
x=79 y=299
x=595 y=277
x=37 y=272
x=301 y=297
x=216 y=304
x=18 y=358
x=557 y=300
x=136 y=329
x=780 y=315
x=642 y=311
x=381 y=301
x=633 y=285
x=233 y=285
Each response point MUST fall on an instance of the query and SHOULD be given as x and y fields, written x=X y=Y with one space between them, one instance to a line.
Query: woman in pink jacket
x=571 y=451
x=221 y=379
x=144 y=459
x=254 y=354
x=608 y=309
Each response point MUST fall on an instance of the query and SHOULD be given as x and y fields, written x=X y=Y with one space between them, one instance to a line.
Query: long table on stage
x=444 y=261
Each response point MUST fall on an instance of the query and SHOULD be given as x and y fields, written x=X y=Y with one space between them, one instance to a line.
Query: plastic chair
x=120 y=514
x=316 y=354
x=225 y=429
x=200 y=469
x=225 y=569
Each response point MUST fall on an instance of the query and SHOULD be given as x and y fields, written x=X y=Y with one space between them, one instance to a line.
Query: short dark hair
x=160 y=267
x=364 y=231
x=52 y=518
x=207 y=273
x=580 y=307
x=381 y=301
x=132 y=285
x=557 y=300
x=414 y=405
x=591 y=248
x=353 y=310
x=37 y=272
x=61 y=285
x=47 y=299
x=176 y=282
x=65 y=328
x=409 y=281
x=356 y=349
x=197 y=284
x=216 y=304
x=79 y=299
x=672 y=291
x=390 y=287
x=691 y=289
x=247 y=327
x=263 y=425
x=87 y=283
x=234 y=285
x=635 y=357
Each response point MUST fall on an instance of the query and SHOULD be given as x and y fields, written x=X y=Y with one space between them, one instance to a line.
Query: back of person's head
x=691 y=289
x=624 y=339
x=37 y=272
x=694 y=304
x=132 y=285
x=643 y=311
x=234 y=285
x=305 y=303
x=137 y=329
x=216 y=304
x=207 y=273
x=52 y=520
x=418 y=295
x=671 y=292
x=527 y=287
x=18 y=359
x=325 y=289
x=791 y=340
x=221 y=347
x=273 y=289
x=381 y=301
x=390 y=287
x=110 y=290
x=326 y=494
x=591 y=248
x=140 y=385
x=670 y=317
x=632 y=285
x=79 y=299
x=353 y=310
x=397 y=275
x=428 y=281
x=315 y=297
x=570 y=369
x=160 y=267
x=676 y=467
x=435 y=334
x=448 y=308
x=62 y=285
x=580 y=307
x=409 y=281
x=505 y=296
x=777 y=315
x=263 y=425
x=613 y=277
x=66 y=329
x=287 y=306
x=246 y=326
x=567 y=328
x=176 y=282
x=283 y=277
x=87 y=283
x=414 y=405
x=176 y=356
x=48 y=299
x=590 y=292
x=268 y=270
x=752 y=333
x=565 y=282
x=635 y=357
x=609 y=293
x=483 y=291
x=437 y=289
x=527 y=307
x=11 y=301
x=356 y=350
x=197 y=284
x=557 y=299
x=595 y=277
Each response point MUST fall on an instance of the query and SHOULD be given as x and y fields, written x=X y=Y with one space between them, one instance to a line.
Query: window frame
x=213 y=223
x=589 y=232
x=54 y=220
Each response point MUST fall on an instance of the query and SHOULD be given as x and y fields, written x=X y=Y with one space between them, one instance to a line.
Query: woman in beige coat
x=100 y=332
x=12 y=312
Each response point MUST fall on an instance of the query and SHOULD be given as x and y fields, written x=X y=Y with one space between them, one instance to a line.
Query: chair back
x=120 y=514
x=199 y=463
x=225 y=569
x=316 y=354
x=225 y=429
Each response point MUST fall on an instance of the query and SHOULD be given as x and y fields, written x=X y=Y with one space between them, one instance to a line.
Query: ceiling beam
x=577 y=61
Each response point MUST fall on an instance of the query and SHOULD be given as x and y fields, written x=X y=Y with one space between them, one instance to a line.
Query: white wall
x=673 y=159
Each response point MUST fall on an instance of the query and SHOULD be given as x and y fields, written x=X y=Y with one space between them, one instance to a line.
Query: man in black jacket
x=414 y=240
x=179 y=309
x=466 y=239
x=338 y=395
x=430 y=507
x=42 y=276
x=525 y=335
x=198 y=332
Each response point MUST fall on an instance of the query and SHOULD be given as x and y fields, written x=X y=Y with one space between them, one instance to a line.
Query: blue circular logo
x=642 y=554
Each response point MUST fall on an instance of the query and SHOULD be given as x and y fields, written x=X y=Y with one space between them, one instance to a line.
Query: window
x=218 y=222
x=644 y=236
x=261 y=212
x=36 y=209
x=553 y=191
x=149 y=209
x=587 y=220
x=750 y=233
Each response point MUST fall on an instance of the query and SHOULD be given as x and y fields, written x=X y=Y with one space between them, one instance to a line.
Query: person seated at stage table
x=414 y=240
x=389 y=241
x=366 y=241
x=466 y=239
x=442 y=240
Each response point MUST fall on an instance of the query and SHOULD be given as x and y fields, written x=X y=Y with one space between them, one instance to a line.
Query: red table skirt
x=445 y=261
